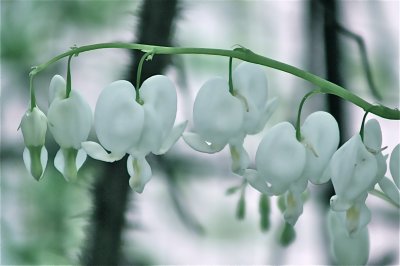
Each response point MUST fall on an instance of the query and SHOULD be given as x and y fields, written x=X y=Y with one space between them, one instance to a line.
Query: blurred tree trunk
x=326 y=50
x=111 y=190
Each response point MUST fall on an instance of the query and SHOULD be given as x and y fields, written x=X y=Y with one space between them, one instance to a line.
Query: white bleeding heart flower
x=352 y=169
x=34 y=126
x=118 y=121
x=346 y=249
x=394 y=165
x=280 y=160
x=69 y=121
x=250 y=86
x=158 y=134
x=217 y=117
x=222 y=118
x=124 y=126
x=320 y=136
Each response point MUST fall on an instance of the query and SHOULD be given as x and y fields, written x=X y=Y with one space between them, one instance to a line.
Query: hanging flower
x=34 y=126
x=118 y=121
x=222 y=118
x=346 y=249
x=124 y=126
x=353 y=169
x=69 y=121
x=158 y=135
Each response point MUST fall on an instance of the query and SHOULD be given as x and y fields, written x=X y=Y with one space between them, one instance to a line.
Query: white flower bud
x=34 y=126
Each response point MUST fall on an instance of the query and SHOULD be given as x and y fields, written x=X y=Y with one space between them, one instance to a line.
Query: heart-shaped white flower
x=124 y=126
x=69 y=120
x=352 y=169
x=280 y=158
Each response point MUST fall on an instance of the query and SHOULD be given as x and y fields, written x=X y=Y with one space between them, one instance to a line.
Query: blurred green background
x=183 y=216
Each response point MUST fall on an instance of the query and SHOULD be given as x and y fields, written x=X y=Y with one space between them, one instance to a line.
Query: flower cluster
x=122 y=126
x=139 y=122
x=355 y=168
x=69 y=120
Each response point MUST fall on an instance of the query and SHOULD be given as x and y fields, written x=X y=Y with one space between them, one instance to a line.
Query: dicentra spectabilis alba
x=222 y=118
x=158 y=135
x=353 y=169
x=118 y=122
x=280 y=159
x=34 y=126
x=346 y=249
x=69 y=120
x=124 y=126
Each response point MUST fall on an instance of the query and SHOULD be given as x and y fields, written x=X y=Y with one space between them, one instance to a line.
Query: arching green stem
x=245 y=55
x=298 y=131
x=68 y=87
x=230 y=75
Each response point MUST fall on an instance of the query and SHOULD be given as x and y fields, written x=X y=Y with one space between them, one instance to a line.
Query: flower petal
x=294 y=207
x=34 y=126
x=266 y=114
x=240 y=158
x=151 y=136
x=347 y=250
x=394 y=165
x=196 y=142
x=390 y=189
x=320 y=133
x=140 y=172
x=118 y=118
x=217 y=115
x=280 y=158
x=353 y=169
x=70 y=120
x=172 y=138
x=159 y=92
x=35 y=160
x=57 y=88
x=96 y=151
x=68 y=161
x=257 y=182
x=373 y=135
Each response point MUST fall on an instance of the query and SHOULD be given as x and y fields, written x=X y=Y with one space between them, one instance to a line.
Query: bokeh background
x=184 y=215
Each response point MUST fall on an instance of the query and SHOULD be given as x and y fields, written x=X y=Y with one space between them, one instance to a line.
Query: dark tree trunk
x=111 y=189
